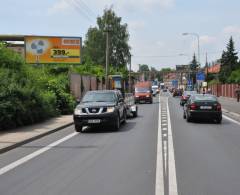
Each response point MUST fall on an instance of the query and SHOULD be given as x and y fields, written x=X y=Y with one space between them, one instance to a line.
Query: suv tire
x=116 y=125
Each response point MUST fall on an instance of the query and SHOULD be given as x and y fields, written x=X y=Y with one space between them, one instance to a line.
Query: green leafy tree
x=166 y=69
x=193 y=68
x=143 y=68
x=229 y=62
x=95 y=43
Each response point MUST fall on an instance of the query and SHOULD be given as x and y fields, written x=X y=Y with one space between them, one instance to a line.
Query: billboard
x=46 y=50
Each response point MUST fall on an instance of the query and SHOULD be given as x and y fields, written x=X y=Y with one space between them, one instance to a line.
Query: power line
x=87 y=8
x=79 y=9
x=176 y=55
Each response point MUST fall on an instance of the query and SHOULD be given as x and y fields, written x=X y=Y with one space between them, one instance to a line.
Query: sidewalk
x=13 y=138
x=230 y=107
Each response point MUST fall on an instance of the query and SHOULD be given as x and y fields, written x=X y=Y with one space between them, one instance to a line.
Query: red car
x=185 y=96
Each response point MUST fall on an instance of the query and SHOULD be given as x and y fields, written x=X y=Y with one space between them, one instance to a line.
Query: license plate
x=94 y=121
x=206 y=107
x=142 y=101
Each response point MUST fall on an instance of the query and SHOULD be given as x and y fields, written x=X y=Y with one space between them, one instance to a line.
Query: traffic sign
x=200 y=76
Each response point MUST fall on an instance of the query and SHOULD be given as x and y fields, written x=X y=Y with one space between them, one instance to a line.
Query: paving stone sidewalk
x=10 y=139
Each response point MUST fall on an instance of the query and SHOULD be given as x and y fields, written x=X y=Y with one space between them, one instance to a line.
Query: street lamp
x=198 y=41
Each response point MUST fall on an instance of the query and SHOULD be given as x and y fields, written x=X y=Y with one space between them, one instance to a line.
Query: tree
x=166 y=69
x=229 y=61
x=193 y=69
x=143 y=68
x=95 y=43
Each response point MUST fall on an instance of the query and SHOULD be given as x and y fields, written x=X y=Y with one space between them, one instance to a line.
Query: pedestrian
x=237 y=92
x=209 y=91
x=204 y=91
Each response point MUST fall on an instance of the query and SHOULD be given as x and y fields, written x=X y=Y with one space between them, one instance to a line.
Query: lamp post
x=198 y=41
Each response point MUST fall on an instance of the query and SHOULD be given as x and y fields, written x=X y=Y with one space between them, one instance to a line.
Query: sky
x=155 y=26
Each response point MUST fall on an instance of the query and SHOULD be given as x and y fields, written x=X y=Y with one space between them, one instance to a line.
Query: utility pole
x=107 y=55
x=206 y=66
x=130 y=69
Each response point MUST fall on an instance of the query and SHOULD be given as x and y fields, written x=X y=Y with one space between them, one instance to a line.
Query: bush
x=60 y=87
x=23 y=105
x=10 y=59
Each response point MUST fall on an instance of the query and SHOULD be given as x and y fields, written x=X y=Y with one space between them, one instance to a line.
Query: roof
x=11 y=37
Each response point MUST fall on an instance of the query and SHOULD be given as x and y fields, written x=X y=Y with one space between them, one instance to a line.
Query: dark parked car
x=177 y=92
x=98 y=108
x=185 y=96
x=201 y=106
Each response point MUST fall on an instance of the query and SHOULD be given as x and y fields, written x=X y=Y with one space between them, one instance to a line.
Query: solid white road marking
x=159 y=187
x=34 y=154
x=230 y=119
x=172 y=167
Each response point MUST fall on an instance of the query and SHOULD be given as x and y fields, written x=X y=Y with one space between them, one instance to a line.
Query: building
x=214 y=69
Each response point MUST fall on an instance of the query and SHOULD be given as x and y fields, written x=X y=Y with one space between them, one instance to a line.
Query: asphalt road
x=104 y=162
x=207 y=155
x=98 y=162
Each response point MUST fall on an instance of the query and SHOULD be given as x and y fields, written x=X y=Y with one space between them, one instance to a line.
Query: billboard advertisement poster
x=47 y=50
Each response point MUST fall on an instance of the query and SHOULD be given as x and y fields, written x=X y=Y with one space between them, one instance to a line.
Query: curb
x=232 y=113
x=8 y=148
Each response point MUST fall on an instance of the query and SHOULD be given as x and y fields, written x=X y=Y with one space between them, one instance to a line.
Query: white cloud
x=160 y=44
x=133 y=5
x=136 y=25
x=231 y=30
x=146 y=5
x=204 y=40
x=59 y=6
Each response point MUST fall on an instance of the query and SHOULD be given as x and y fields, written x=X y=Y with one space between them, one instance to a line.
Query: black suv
x=98 y=108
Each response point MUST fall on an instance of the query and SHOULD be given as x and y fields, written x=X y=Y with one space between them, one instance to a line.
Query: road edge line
x=159 y=185
x=13 y=146
x=173 y=189
x=230 y=119
x=25 y=159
